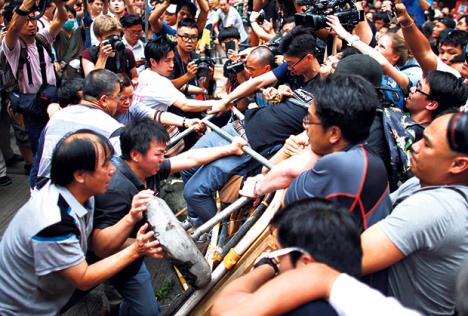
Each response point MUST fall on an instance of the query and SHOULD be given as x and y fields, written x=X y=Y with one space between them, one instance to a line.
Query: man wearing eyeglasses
x=300 y=68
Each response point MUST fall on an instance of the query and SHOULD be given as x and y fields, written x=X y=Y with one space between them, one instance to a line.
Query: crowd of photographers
x=360 y=106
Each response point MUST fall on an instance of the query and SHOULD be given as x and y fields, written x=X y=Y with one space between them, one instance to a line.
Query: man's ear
x=432 y=106
x=459 y=165
x=304 y=260
x=79 y=176
x=334 y=134
x=135 y=156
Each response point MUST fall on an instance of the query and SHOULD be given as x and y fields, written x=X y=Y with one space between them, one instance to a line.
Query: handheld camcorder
x=315 y=16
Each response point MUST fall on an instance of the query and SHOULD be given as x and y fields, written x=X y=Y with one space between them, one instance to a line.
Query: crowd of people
x=360 y=106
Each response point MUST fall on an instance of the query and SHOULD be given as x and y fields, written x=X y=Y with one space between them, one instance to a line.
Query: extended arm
x=59 y=19
x=192 y=105
x=378 y=251
x=155 y=17
x=109 y=240
x=16 y=24
x=203 y=15
x=85 y=277
x=417 y=43
x=202 y=156
x=281 y=176
x=388 y=68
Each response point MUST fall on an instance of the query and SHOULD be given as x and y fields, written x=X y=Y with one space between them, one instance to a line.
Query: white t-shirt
x=155 y=91
x=232 y=18
x=444 y=67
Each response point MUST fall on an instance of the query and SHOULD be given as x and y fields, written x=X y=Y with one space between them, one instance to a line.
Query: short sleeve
x=53 y=254
x=310 y=183
x=281 y=71
x=140 y=111
x=111 y=207
x=417 y=223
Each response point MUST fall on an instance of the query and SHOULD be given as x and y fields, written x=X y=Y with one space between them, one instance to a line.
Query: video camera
x=315 y=16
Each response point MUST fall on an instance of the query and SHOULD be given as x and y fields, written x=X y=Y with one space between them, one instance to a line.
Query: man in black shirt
x=140 y=170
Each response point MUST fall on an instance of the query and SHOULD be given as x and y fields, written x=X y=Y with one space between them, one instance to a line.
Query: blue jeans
x=137 y=294
x=201 y=182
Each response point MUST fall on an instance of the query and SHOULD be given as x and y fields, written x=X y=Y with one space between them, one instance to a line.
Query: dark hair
x=264 y=56
x=189 y=5
x=124 y=81
x=67 y=93
x=138 y=136
x=382 y=15
x=298 y=43
x=187 y=22
x=228 y=32
x=325 y=230
x=455 y=38
x=71 y=10
x=447 y=90
x=346 y=101
x=100 y=82
x=129 y=20
x=78 y=151
x=158 y=49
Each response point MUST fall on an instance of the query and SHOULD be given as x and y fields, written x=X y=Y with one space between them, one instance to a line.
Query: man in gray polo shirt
x=42 y=254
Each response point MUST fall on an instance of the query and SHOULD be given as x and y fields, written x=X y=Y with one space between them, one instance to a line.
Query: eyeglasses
x=285 y=251
x=187 y=38
x=134 y=32
x=418 y=89
x=307 y=120
x=297 y=62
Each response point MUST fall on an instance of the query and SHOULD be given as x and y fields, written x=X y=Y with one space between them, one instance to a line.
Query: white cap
x=171 y=9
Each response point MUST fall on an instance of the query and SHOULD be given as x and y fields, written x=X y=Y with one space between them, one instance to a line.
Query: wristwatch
x=352 y=39
x=22 y=12
x=270 y=262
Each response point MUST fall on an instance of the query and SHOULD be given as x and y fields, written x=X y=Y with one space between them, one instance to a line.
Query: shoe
x=4 y=181
x=13 y=160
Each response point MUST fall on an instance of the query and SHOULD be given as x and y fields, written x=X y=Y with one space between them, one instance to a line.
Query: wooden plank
x=264 y=242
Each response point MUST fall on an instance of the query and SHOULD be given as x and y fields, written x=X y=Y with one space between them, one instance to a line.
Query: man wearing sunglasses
x=312 y=230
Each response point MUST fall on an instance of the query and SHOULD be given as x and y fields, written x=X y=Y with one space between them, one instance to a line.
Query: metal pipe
x=187 y=131
x=246 y=149
x=220 y=216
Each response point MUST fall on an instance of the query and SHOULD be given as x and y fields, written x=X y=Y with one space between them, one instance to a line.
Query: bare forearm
x=85 y=277
x=198 y=157
x=281 y=176
x=261 y=33
x=168 y=118
x=179 y=82
x=190 y=105
x=418 y=44
x=250 y=86
x=154 y=18
x=109 y=240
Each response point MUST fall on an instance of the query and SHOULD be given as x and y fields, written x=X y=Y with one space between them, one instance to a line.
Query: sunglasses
x=285 y=251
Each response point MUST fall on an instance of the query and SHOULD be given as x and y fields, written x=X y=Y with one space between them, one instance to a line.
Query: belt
x=239 y=127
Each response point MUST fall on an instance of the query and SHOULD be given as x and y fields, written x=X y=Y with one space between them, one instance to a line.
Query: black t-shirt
x=272 y=125
x=113 y=205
